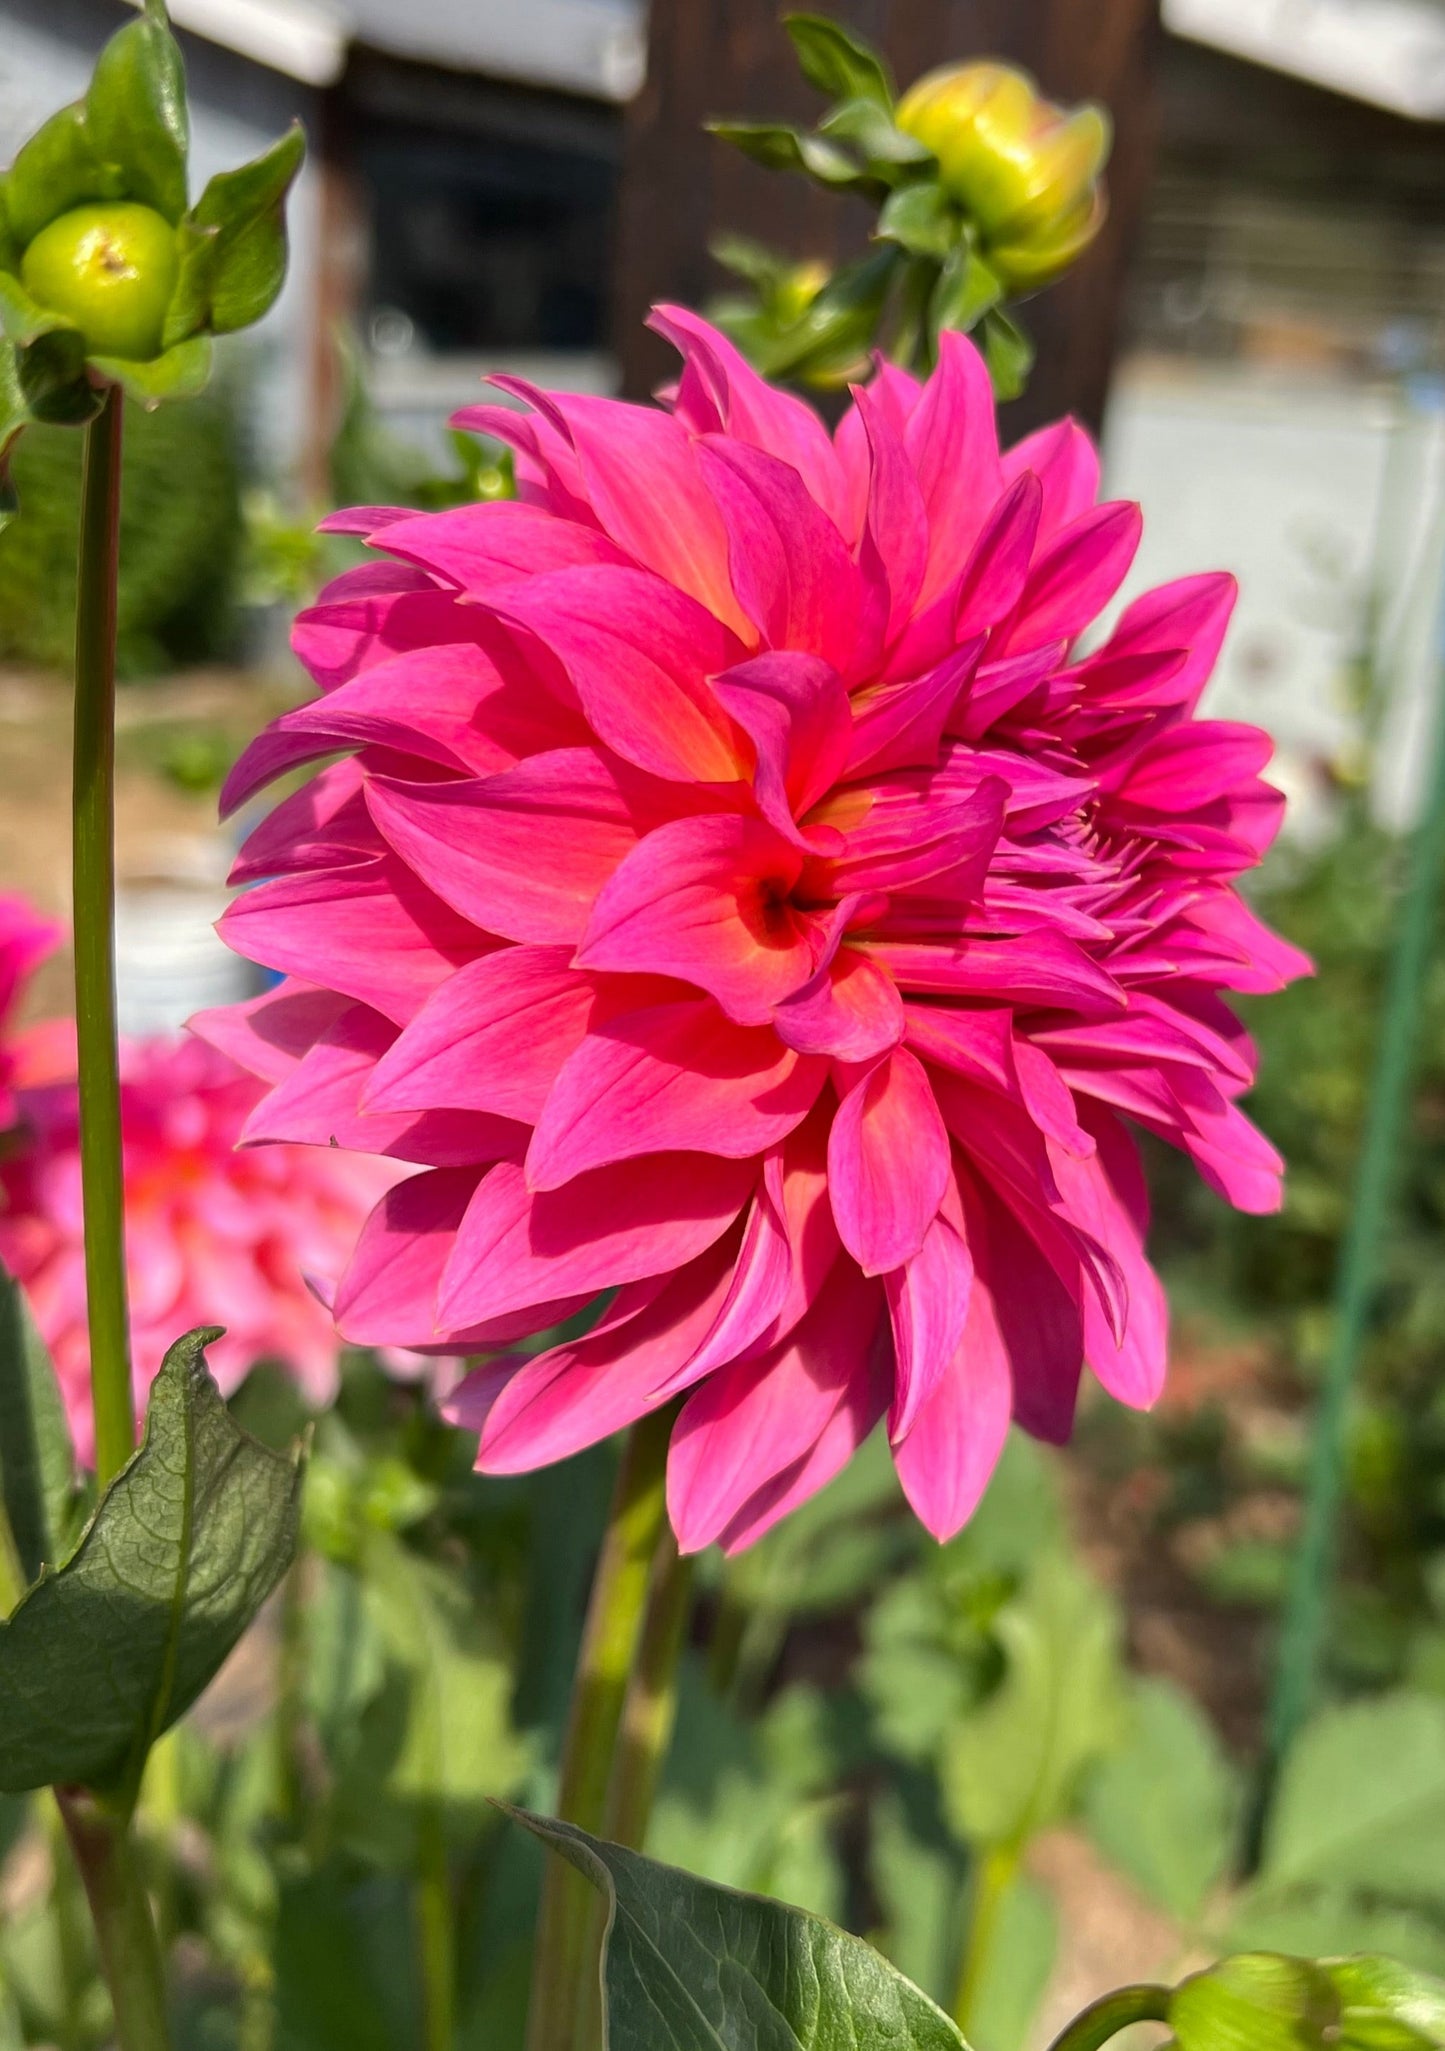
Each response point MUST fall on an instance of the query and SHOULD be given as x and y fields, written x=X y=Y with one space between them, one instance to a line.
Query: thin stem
x=994 y=1878
x=1356 y=1285
x=93 y=856
x=1103 y=2019
x=651 y=1710
x=120 y=1910
x=610 y=1642
x=435 y=1931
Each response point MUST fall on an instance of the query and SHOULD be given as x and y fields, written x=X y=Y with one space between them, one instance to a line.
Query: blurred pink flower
x=745 y=894
x=25 y=940
x=213 y=1236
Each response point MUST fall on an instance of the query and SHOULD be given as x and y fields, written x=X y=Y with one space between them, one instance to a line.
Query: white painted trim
x=1390 y=52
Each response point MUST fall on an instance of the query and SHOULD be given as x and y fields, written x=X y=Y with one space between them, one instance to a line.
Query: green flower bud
x=1026 y=172
x=110 y=269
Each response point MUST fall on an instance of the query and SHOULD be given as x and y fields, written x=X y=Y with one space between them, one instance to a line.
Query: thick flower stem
x=125 y=1931
x=93 y=883
x=1103 y=2019
x=995 y=1876
x=652 y=1698
x=610 y=1641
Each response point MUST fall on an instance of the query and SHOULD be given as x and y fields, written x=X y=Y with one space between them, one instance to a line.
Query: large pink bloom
x=25 y=940
x=742 y=893
x=213 y=1236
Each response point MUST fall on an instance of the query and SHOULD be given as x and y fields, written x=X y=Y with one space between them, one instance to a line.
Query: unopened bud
x=1027 y=172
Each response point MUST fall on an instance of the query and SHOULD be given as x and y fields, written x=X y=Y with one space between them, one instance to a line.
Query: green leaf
x=1016 y=1970
x=37 y=1460
x=1008 y=353
x=59 y=168
x=1386 y=2006
x=966 y=290
x=870 y=126
x=179 y=373
x=247 y=209
x=136 y=113
x=1012 y=1767
x=185 y=1546
x=1259 y=2001
x=781 y=148
x=1163 y=1806
x=190 y=307
x=920 y=219
x=694 y=1967
x=837 y=63
x=14 y=414
x=1362 y=1802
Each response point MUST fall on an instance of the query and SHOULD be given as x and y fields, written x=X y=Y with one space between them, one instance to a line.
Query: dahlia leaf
x=186 y=1544
x=863 y=121
x=57 y=169
x=920 y=219
x=1362 y=1803
x=690 y=1966
x=780 y=148
x=178 y=373
x=247 y=208
x=837 y=63
x=135 y=112
x=1264 y=2001
x=37 y=1460
x=1163 y=1807
x=1008 y=352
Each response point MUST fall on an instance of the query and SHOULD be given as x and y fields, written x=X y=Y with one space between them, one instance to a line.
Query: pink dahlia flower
x=25 y=940
x=213 y=1236
x=743 y=893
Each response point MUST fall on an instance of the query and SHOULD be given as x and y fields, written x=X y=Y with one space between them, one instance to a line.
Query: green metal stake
x=1308 y=1606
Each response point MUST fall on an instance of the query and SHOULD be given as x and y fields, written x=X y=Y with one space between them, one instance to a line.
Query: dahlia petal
x=958 y=1435
x=928 y=1305
x=952 y=440
x=642 y=479
x=850 y=1010
x=997 y=573
x=794 y=710
x=673 y=1078
x=794 y=576
x=749 y=1423
x=1193 y=765
x=1066 y=463
x=373 y=932
x=705 y=900
x=888 y=1163
x=549 y=473
x=638 y=654
x=483 y=548
x=757 y=1289
x=523 y=854
x=1036 y=969
x=323 y=825
x=491 y=1038
x=1191 y=615
x=748 y=408
x=864 y=1402
x=349 y=630
x=618 y=1224
x=1039 y=1321
x=895 y=536
x=267 y=1035
x=899 y=725
x=1134 y=1371
x=575 y=1395
x=388 y=1295
x=1076 y=576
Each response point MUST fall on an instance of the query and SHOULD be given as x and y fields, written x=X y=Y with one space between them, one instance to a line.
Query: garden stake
x=1307 y=1608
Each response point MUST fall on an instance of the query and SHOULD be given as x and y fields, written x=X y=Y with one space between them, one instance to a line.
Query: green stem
x=651 y=1710
x=120 y=1909
x=610 y=1642
x=1103 y=2019
x=994 y=1878
x=1356 y=1285
x=435 y=1931
x=93 y=854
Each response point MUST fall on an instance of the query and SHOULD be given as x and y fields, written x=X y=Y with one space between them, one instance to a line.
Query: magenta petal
x=998 y=570
x=863 y=1404
x=1066 y=464
x=672 y=1078
x=492 y=1038
x=888 y=1163
x=388 y=1295
x=522 y=854
x=928 y=1300
x=949 y=1455
x=850 y=1011
x=1074 y=579
x=267 y=1035
x=705 y=900
x=749 y=1423
x=483 y=548
x=794 y=710
x=612 y=1225
x=757 y=1291
x=952 y=440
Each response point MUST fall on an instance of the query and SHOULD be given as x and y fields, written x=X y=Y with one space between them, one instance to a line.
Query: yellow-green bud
x=1027 y=172
x=110 y=269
